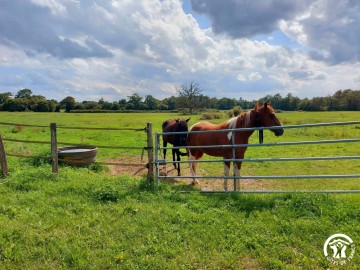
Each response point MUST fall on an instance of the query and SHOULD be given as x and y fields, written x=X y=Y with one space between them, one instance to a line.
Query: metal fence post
x=150 y=151
x=157 y=169
x=3 y=162
x=234 y=157
x=54 y=153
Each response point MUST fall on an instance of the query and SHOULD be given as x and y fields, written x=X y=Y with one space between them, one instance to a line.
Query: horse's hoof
x=194 y=183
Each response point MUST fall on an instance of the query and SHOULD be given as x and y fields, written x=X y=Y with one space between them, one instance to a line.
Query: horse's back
x=202 y=126
x=206 y=138
x=207 y=126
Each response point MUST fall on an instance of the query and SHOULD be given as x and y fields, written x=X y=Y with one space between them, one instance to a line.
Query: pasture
x=91 y=218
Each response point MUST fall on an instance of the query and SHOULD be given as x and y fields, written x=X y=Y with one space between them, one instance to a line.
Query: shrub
x=211 y=115
x=237 y=110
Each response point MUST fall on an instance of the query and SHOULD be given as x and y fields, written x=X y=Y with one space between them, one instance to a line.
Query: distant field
x=88 y=218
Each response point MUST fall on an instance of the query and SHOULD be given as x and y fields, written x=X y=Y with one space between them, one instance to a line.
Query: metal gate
x=161 y=162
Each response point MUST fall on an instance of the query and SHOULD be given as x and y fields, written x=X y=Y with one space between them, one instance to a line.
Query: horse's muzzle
x=278 y=131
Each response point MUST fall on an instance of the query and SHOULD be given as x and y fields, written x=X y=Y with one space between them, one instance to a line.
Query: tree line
x=189 y=99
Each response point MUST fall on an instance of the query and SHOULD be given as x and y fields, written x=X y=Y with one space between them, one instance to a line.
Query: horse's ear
x=266 y=104
x=256 y=105
x=187 y=120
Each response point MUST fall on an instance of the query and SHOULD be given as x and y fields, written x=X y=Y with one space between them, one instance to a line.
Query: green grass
x=84 y=218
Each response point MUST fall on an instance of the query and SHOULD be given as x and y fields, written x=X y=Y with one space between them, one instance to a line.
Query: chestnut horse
x=175 y=125
x=259 y=116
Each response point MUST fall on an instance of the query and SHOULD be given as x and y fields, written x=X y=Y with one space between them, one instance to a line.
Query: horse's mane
x=241 y=121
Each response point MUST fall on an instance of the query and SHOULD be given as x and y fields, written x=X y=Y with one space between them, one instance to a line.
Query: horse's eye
x=272 y=116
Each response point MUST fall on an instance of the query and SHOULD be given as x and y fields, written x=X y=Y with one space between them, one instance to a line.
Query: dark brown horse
x=177 y=140
x=259 y=116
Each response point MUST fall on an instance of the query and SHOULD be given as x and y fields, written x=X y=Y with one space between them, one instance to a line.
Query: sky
x=93 y=49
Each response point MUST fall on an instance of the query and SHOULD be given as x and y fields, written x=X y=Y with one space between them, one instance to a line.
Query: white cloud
x=55 y=7
x=241 y=77
x=255 y=76
x=111 y=49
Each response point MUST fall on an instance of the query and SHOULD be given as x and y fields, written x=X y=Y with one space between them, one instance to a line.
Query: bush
x=237 y=110
x=211 y=115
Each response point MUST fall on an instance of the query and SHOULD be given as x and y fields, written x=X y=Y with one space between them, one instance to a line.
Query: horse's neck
x=243 y=121
x=246 y=121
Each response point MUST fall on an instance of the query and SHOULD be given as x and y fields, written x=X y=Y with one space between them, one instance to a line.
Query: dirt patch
x=132 y=165
x=210 y=184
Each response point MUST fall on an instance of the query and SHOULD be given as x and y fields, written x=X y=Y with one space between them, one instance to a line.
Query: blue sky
x=202 y=20
x=233 y=48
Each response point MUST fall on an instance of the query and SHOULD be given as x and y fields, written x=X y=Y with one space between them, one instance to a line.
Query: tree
x=44 y=106
x=151 y=103
x=226 y=103
x=69 y=103
x=134 y=102
x=106 y=105
x=5 y=97
x=16 y=105
x=189 y=96
x=91 y=105
x=170 y=103
x=115 y=106
x=24 y=93
x=122 y=103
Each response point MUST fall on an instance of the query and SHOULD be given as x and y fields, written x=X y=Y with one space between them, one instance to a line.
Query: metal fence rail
x=159 y=162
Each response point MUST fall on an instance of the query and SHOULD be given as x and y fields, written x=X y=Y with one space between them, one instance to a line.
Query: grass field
x=86 y=218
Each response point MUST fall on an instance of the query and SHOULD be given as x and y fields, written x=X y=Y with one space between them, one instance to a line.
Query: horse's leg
x=192 y=166
x=164 y=150
x=226 y=174
x=237 y=173
x=239 y=155
x=173 y=154
x=178 y=159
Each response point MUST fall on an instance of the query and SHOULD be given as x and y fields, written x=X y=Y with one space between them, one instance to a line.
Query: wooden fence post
x=54 y=153
x=150 y=151
x=3 y=162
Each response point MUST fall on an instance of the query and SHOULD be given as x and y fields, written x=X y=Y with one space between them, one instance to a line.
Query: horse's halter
x=258 y=123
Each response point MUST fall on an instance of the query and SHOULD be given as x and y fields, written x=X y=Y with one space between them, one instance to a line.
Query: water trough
x=77 y=155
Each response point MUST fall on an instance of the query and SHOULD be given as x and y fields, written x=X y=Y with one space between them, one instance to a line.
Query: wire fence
x=160 y=162
x=148 y=147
